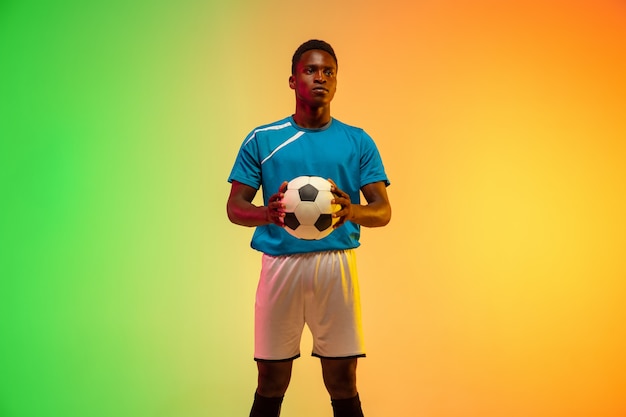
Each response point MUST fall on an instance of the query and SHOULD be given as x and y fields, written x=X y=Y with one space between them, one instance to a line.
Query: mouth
x=320 y=90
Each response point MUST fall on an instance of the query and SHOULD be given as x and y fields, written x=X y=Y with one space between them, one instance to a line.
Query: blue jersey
x=281 y=151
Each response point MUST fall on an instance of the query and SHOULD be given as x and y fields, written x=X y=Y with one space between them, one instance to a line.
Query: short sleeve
x=371 y=163
x=247 y=167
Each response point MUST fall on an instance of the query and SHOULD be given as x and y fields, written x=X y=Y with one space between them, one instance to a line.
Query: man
x=308 y=281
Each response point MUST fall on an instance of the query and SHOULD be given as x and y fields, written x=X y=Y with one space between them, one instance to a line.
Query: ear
x=292 y=82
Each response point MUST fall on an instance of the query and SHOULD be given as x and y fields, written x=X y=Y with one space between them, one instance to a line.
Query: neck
x=312 y=118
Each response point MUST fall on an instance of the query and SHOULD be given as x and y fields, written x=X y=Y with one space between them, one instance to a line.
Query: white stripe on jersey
x=282 y=145
x=277 y=127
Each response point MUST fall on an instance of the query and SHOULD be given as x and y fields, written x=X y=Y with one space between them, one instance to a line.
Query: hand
x=343 y=199
x=275 y=208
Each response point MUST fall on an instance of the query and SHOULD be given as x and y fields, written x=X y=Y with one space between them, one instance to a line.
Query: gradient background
x=498 y=289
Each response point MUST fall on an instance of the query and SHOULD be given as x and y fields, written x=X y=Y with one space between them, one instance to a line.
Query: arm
x=241 y=210
x=377 y=211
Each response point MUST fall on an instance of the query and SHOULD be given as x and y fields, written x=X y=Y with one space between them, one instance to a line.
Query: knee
x=341 y=383
x=273 y=381
x=272 y=386
x=340 y=388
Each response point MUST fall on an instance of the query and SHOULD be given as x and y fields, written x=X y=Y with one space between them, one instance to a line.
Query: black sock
x=350 y=407
x=265 y=407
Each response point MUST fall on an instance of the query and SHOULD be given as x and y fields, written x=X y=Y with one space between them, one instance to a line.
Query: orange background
x=498 y=288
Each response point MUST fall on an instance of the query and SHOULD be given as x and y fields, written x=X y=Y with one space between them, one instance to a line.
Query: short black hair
x=309 y=45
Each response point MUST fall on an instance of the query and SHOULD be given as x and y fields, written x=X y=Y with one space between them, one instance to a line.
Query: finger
x=277 y=206
x=341 y=213
x=342 y=201
x=339 y=223
x=333 y=186
x=339 y=192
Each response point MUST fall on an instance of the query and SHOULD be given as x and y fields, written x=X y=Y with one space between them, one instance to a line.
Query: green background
x=113 y=198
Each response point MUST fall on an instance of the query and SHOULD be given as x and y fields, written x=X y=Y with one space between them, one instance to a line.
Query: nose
x=319 y=77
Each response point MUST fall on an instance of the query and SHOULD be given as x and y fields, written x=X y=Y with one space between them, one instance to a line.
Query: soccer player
x=308 y=281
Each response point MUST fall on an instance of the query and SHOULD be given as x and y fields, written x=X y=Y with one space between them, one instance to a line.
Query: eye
x=329 y=72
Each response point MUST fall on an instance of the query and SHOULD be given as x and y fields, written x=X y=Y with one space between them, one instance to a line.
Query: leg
x=340 y=380
x=273 y=382
x=340 y=377
x=277 y=330
x=274 y=378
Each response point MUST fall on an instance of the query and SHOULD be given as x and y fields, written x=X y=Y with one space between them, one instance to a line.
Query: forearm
x=247 y=214
x=371 y=215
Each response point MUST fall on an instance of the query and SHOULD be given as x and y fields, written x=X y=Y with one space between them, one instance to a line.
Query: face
x=315 y=78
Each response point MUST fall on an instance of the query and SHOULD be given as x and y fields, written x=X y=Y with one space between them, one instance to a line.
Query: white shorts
x=320 y=289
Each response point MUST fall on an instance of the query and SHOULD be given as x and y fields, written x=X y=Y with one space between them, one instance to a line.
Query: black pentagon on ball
x=291 y=221
x=308 y=193
x=324 y=222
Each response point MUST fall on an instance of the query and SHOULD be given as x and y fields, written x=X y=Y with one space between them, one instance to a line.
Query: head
x=314 y=73
x=309 y=45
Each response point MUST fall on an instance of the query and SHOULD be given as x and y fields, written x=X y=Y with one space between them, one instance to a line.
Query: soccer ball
x=308 y=208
